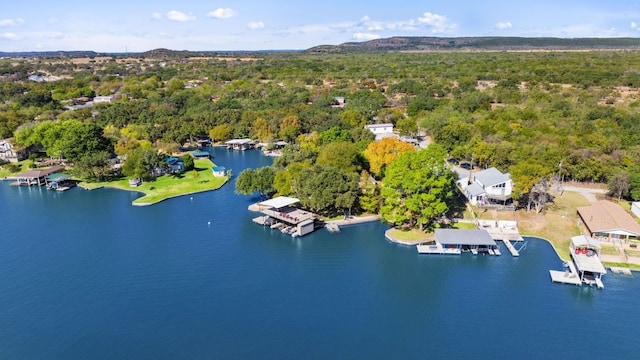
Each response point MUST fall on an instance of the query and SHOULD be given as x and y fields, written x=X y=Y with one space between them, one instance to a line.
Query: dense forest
x=537 y=115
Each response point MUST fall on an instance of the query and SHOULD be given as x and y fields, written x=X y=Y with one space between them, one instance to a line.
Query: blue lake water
x=85 y=275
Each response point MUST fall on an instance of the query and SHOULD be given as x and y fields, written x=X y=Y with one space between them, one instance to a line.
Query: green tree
x=327 y=190
x=220 y=132
x=342 y=155
x=188 y=162
x=93 y=166
x=141 y=163
x=252 y=180
x=417 y=187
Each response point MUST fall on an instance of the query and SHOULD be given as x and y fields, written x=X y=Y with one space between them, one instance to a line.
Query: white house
x=9 y=153
x=219 y=171
x=489 y=186
x=102 y=99
x=635 y=208
x=380 y=130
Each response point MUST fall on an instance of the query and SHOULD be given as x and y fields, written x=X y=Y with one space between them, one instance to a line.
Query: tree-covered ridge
x=488 y=43
x=524 y=113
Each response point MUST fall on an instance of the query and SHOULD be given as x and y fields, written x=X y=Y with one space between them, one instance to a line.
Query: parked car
x=453 y=161
x=466 y=166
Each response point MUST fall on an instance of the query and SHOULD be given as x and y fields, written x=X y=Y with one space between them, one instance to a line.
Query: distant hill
x=408 y=43
x=396 y=43
x=74 y=54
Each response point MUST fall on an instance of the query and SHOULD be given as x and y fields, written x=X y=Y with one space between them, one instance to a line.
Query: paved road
x=588 y=193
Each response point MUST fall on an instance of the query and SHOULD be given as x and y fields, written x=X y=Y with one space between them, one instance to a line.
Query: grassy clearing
x=410 y=236
x=5 y=172
x=168 y=186
x=464 y=226
x=608 y=250
x=557 y=224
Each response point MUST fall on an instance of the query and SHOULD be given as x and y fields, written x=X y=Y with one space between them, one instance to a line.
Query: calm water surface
x=85 y=275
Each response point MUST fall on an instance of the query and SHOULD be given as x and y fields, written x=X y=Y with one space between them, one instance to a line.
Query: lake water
x=85 y=275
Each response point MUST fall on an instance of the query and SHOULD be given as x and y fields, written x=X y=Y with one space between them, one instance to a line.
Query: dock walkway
x=510 y=247
x=569 y=276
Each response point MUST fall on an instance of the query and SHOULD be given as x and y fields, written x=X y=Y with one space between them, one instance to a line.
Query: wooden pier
x=510 y=247
x=569 y=276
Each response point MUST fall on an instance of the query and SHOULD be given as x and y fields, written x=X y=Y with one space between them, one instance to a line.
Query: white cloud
x=54 y=35
x=156 y=16
x=365 y=36
x=634 y=25
x=179 y=16
x=256 y=25
x=437 y=23
x=11 y=22
x=9 y=36
x=504 y=25
x=222 y=13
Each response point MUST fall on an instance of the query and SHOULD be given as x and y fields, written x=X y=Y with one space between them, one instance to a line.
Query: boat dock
x=502 y=230
x=510 y=247
x=569 y=276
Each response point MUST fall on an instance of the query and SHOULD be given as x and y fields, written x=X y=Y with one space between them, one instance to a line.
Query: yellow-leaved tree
x=384 y=152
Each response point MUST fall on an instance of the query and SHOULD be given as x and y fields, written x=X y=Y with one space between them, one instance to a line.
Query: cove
x=83 y=274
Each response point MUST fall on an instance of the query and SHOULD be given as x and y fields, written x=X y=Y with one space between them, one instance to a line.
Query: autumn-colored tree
x=384 y=152
x=260 y=129
x=220 y=132
x=289 y=127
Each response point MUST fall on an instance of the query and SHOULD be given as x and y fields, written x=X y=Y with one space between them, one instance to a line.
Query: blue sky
x=117 y=25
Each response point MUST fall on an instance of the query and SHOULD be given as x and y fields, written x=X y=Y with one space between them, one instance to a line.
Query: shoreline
x=133 y=203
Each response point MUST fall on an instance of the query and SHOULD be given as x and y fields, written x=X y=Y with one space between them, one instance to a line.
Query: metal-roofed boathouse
x=279 y=214
x=456 y=241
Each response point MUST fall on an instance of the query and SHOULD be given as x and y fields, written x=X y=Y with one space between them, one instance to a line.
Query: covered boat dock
x=456 y=241
x=36 y=176
x=240 y=144
x=59 y=182
x=278 y=213
x=585 y=252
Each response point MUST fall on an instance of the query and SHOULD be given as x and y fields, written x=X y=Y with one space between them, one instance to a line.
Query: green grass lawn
x=412 y=235
x=557 y=224
x=168 y=186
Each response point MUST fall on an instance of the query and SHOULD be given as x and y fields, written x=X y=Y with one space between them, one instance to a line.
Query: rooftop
x=464 y=237
x=491 y=176
x=278 y=202
x=606 y=216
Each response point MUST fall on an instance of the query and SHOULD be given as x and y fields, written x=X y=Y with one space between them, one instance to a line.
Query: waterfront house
x=175 y=165
x=219 y=171
x=489 y=186
x=10 y=152
x=608 y=221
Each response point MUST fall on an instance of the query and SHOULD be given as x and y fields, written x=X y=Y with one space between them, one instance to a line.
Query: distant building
x=338 y=102
x=488 y=186
x=102 y=99
x=380 y=130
